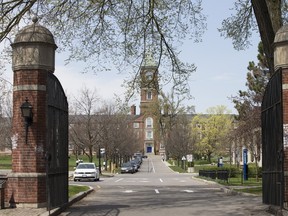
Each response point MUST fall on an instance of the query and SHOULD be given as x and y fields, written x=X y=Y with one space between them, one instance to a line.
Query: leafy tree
x=210 y=131
x=263 y=15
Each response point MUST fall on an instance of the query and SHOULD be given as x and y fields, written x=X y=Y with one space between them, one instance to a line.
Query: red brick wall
x=27 y=182
x=26 y=190
x=29 y=157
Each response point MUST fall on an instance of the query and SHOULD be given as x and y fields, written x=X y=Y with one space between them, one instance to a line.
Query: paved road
x=156 y=190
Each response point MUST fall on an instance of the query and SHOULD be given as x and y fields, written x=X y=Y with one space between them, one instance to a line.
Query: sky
x=221 y=70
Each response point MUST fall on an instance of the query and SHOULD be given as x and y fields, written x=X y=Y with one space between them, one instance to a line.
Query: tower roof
x=281 y=34
x=34 y=33
x=149 y=60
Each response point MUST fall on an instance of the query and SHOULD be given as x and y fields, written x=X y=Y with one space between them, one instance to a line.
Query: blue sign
x=245 y=156
x=245 y=164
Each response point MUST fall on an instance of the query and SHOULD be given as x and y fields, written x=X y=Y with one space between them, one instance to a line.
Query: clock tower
x=149 y=104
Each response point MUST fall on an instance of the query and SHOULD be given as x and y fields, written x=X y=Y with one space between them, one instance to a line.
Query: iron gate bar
x=272 y=142
x=57 y=144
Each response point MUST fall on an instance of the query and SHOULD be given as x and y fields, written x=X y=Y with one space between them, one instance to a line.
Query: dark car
x=127 y=168
x=135 y=165
x=137 y=162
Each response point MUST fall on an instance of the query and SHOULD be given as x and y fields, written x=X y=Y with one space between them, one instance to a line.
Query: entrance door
x=149 y=149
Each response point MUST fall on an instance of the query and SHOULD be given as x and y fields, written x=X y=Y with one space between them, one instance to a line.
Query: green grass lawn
x=239 y=182
x=75 y=189
x=5 y=162
x=177 y=169
x=252 y=190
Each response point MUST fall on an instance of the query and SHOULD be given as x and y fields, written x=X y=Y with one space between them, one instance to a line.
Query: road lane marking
x=161 y=180
x=153 y=168
x=188 y=191
x=119 y=180
x=128 y=191
x=157 y=191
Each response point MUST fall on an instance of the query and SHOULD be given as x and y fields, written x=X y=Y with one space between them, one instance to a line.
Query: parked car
x=135 y=165
x=87 y=171
x=138 y=158
x=127 y=168
x=137 y=162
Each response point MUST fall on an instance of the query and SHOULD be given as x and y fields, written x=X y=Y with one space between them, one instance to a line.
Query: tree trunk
x=268 y=24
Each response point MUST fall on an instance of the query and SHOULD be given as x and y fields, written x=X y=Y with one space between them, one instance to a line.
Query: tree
x=169 y=113
x=5 y=114
x=248 y=105
x=179 y=141
x=265 y=15
x=210 y=131
x=121 y=31
x=95 y=124
x=83 y=128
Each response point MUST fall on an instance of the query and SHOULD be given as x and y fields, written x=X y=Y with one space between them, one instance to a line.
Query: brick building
x=146 y=123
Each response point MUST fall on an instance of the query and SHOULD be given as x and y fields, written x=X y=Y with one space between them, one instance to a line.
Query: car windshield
x=85 y=166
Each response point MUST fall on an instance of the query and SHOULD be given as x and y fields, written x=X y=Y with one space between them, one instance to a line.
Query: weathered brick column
x=33 y=57
x=281 y=61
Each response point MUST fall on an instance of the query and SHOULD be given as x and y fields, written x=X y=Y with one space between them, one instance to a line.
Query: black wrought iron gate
x=272 y=142
x=57 y=144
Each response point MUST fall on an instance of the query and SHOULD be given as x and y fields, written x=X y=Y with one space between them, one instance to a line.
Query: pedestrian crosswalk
x=148 y=180
x=163 y=190
x=157 y=191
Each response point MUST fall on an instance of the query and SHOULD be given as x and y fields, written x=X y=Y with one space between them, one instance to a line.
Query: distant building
x=146 y=123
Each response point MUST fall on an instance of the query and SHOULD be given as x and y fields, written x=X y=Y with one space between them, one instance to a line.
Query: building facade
x=146 y=123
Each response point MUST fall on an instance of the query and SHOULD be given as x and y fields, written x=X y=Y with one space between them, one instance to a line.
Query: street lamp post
x=99 y=158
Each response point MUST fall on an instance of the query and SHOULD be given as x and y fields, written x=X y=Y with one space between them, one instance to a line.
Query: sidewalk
x=261 y=210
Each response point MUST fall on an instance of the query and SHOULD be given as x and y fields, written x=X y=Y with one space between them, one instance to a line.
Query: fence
x=215 y=174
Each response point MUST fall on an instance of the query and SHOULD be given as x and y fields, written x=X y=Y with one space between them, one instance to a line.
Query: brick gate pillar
x=281 y=61
x=33 y=58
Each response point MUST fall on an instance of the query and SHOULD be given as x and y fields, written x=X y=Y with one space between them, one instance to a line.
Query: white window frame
x=149 y=95
x=149 y=134
x=149 y=122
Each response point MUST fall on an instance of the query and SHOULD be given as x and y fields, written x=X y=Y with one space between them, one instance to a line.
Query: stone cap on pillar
x=34 y=48
x=281 y=48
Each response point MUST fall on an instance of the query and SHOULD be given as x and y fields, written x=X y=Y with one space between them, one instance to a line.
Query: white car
x=87 y=171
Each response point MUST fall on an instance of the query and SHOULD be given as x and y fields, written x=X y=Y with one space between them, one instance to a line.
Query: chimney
x=133 y=110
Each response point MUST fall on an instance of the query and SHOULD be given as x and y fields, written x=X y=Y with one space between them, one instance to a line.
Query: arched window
x=149 y=122
x=149 y=95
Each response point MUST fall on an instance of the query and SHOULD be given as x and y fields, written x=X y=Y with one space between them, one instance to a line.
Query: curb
x=226 y=189
x=72 y=200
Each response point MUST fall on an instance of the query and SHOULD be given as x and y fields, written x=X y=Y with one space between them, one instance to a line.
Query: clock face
x=149 y=75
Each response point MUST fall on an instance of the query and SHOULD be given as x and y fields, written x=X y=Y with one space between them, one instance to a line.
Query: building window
x=149 y=135
x=149 y=95
x=135 y=125
x=149 y=122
